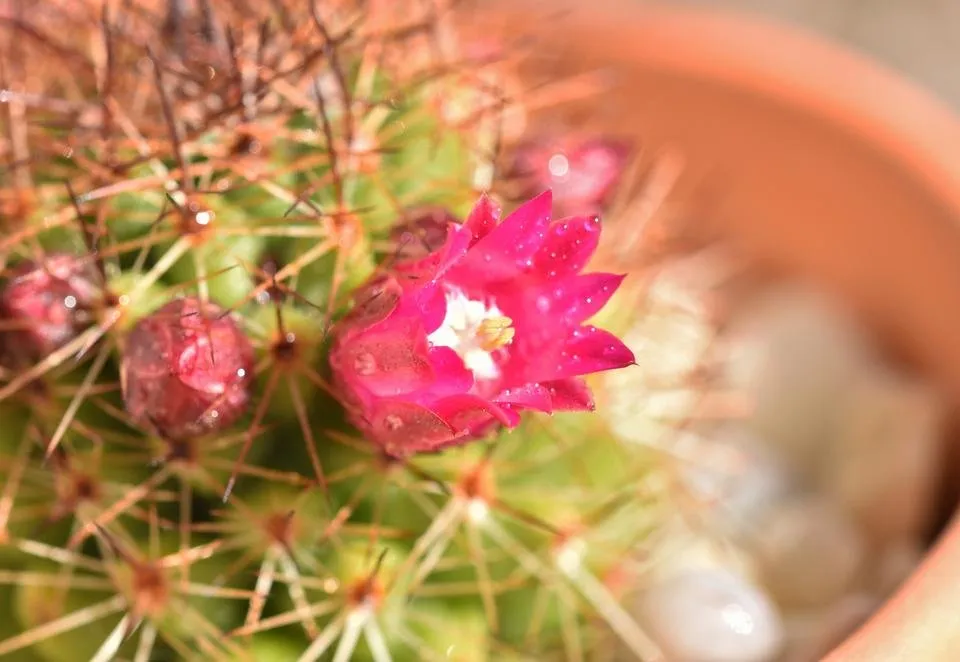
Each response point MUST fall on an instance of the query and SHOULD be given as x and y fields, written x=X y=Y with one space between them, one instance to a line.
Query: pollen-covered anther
x=495 y=333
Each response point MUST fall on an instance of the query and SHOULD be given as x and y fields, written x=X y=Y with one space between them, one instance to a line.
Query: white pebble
x=808 y=553
x=737 y=476
x=711 y=615
x=883 y=466
x=797 y=356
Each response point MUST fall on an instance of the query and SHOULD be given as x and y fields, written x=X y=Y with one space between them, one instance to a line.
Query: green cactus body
x=259 y=158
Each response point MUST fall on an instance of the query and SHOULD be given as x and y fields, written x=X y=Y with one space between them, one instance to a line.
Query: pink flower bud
x=187 y=370
x=46 y=304
x=583 y=173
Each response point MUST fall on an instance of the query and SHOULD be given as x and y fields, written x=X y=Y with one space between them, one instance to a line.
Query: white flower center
x=474 y=330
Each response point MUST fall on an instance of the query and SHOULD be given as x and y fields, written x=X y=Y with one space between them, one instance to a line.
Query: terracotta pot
x=827 y=167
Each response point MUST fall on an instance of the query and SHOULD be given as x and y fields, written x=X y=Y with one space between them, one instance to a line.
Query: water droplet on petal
x=393 y=422
x=365 y=364
x=543 y=304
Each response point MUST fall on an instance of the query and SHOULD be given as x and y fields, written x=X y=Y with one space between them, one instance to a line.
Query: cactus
x=275 y=384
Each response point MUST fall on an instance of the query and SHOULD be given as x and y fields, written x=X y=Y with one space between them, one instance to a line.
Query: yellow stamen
x=495 y=332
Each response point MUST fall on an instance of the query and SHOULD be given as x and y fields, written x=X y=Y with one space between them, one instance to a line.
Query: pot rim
x=808 y=71
x=921 y=621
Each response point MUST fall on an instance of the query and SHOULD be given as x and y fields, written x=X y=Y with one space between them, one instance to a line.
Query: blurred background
x=917 y=38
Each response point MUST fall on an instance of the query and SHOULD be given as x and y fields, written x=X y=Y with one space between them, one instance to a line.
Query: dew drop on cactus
x=45 y=304
x=187 y=370
x=489 y=324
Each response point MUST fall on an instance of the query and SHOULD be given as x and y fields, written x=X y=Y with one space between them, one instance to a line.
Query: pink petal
x=469 y=413
x=590 y=350
x=421 y=231
x=568 y=247
x=451 y=376
x=509 y=248
x=403 y=428
x=571 y=300
x=388 y=360
x=432 y=302
x=416 y=274
x=483 y=218
x=375 y=301
x=458 y=247
x=530 y=396
x=571 y=394
x=587 y=295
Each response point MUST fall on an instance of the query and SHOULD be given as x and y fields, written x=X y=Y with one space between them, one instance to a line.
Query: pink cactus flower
x=582 y=172
x=46 y=304
x=187 y=370
x=440 y=349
